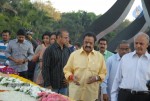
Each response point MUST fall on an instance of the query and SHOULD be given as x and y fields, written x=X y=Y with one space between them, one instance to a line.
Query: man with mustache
x=19 y=51
x=112 y=66
x=85 y=70
x=103 y=48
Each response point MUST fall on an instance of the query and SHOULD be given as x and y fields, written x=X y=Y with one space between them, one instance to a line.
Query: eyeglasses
x=126 y=49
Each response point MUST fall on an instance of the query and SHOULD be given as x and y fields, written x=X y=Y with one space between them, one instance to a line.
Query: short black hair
x=123 y=42
x=21 y=32
x=53 y=33
x=47 y=33
x=102 y=39
x=6 y=31
x=90 y=34
x=59 y=32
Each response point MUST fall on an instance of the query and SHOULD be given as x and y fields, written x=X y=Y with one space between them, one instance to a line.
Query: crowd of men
x=82 y=73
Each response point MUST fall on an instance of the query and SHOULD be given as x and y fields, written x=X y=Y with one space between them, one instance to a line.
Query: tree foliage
x=75 y=22
x=15 y=14
x=41 y=17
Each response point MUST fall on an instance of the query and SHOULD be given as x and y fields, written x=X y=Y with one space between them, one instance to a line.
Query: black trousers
x=128 y=96
x=31 y=67
x=23 y=74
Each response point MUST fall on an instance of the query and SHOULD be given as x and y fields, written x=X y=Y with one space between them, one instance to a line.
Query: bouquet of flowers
x=8 y=70
x=44 y=96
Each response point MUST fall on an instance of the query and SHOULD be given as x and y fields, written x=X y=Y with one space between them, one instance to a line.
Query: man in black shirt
x=54 y=60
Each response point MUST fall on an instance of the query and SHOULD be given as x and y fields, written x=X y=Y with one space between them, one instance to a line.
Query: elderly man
x=85 y=70
x=112 y=65
x=133 y=73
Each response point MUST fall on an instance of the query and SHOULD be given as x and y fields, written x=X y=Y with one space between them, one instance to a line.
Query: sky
x=95 y=6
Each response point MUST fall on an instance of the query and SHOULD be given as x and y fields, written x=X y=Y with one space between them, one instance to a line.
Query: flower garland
x=22 y=85
x=23 y=79
x=44 y=96
x=7 y=70
x=28 y=87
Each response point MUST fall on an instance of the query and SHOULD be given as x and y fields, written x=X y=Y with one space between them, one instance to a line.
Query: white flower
x=17 y=88
x=4 y=80
x=26 y=89
x=34 y=91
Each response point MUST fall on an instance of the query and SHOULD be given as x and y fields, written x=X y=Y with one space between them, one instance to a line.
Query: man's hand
x=49 y=87
x=76 y=80
x=65 y=82
x=19 y=61
x=92 y=79
x=105 y=97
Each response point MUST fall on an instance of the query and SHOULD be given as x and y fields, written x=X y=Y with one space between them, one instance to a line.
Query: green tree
x=112 y=34
x=75 y=22
x=15 y=14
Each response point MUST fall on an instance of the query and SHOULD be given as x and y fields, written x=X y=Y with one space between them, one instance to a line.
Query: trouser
x=24 y=74
x=127 y=95
x=63 y=91
x=31 y=67
x=99 y=94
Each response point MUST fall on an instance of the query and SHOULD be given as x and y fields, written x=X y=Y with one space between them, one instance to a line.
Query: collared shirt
x=133 y=73
x=54 y=60
x=84 y=66
x=19 y=51
x=107 y=54
x=3 y=46
x=112 y=65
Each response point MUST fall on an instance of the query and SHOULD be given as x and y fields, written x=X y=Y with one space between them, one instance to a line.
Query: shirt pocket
x=24 y=50
x=15 y=51
x=78 y=63
x=94 y=65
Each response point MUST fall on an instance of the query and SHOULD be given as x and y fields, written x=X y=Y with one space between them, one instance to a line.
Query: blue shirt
x=112 y=65
x=3 y=46
x=19 y=51
x=71 y=49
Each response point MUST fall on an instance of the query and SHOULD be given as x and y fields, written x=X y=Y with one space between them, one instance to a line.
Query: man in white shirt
x=133 y=73
x=112 y=65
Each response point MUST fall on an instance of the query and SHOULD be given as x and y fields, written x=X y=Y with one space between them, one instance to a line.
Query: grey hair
x=142 y=34
x=123 y=42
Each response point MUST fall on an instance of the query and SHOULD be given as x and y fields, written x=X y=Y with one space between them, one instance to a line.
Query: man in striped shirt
x=3 y=44
x=54 y=60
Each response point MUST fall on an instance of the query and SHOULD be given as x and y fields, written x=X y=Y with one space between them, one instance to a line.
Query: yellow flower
x=23 y=79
